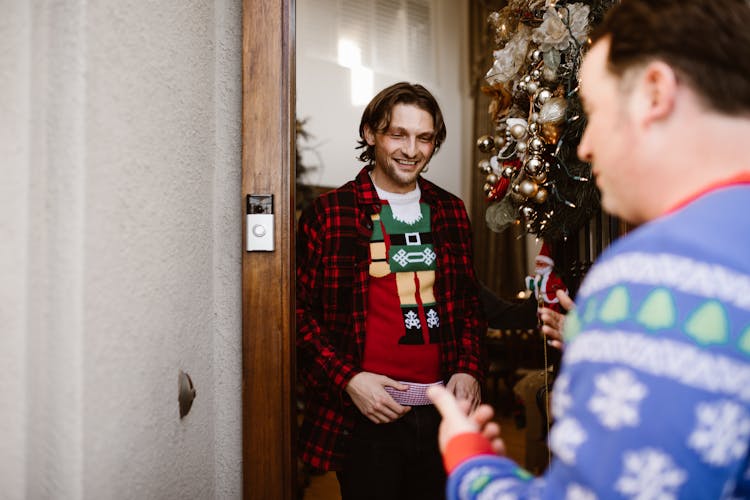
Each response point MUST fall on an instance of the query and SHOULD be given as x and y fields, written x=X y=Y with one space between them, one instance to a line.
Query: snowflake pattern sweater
x=653 y=399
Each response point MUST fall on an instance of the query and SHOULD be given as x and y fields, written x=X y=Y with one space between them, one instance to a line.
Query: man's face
x=609 y=139
x=403 y=150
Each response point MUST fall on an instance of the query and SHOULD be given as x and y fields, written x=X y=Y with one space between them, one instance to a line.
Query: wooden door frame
x=268 y=134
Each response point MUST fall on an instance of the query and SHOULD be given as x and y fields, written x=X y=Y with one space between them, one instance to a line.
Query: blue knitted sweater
x=653 y=397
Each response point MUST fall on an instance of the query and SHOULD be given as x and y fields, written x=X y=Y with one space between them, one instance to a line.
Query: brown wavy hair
x=377 y=114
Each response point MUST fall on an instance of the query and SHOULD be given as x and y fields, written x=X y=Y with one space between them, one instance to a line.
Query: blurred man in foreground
x=653 y=400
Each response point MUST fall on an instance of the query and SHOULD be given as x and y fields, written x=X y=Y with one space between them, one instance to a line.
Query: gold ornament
x=550 y=133
x=540 y=196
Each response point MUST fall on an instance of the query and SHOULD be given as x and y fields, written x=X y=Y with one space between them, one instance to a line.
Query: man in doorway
x=653 y=400
x=387 y=305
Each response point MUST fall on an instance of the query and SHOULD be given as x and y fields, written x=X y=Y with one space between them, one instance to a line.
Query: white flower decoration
x=554 y=34
x=510 y=59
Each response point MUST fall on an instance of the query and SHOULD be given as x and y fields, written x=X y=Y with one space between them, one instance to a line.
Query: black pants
x=398 y=460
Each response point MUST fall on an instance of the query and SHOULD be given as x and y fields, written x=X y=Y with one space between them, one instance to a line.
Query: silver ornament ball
x=533 y=165
x=485 y=143
x=485 y=166
x=536 y=144
x=518 y=131
x=528 y=188
x=543 y=96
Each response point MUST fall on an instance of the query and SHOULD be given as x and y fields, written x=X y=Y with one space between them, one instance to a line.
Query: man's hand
x=465 y=387
x=457 y=420
x=368 y=394
x=553 y=321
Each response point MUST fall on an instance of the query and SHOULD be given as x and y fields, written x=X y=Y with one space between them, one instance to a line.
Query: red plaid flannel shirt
x=332 y=275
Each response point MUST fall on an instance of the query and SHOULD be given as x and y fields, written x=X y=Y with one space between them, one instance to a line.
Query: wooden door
x=268 y=404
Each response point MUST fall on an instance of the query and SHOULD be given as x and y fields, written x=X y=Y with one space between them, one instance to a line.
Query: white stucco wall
x=120 y=254
x=323 y=99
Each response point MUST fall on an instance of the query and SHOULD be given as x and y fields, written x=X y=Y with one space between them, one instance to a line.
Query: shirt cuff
x=464 y=446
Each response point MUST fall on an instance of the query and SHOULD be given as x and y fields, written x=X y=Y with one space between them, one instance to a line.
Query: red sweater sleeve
x=464 y=446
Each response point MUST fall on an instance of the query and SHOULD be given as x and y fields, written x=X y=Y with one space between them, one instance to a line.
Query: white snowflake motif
x=561 y=400
x=433 y=320
x=721 y=433
x=650 y=474
x=411 y=320
x=578 y=492
x=618 y=394
x=566 y=436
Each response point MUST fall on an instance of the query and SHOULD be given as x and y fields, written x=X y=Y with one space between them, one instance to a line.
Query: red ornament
x=498 y=190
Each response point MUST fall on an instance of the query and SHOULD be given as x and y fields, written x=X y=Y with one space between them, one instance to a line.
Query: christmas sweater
x=653 y=398
x=402 y=316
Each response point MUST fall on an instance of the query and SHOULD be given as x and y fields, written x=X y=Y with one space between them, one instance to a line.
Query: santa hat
x=544 y=258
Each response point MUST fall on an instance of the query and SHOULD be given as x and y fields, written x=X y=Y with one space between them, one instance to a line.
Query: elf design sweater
x=402 y=320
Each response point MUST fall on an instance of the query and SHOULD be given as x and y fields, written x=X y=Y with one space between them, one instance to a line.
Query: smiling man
x=653 y=399
x=387 y=306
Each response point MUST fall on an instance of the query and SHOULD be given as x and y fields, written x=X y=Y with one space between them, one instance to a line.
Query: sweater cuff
x=464 y=446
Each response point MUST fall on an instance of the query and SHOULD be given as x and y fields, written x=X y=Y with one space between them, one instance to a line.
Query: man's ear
x=369 y=135
x=658 y=90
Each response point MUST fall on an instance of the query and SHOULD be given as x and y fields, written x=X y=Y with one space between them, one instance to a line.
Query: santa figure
x=545 y=282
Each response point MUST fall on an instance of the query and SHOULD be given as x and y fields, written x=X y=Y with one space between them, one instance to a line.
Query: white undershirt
x=405 y=206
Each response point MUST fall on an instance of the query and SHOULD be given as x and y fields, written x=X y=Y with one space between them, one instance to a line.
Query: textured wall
x=124 y=260
x=14 y=160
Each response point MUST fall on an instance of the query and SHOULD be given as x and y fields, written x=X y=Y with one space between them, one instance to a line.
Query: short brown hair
x=706 y=42
x=377 y=114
